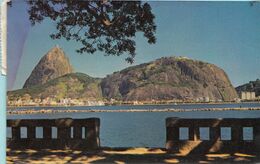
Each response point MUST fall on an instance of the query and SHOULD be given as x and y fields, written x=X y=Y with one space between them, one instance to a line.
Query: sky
x=226 y=34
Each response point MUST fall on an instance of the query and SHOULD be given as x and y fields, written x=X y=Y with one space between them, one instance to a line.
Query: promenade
x=124 y=155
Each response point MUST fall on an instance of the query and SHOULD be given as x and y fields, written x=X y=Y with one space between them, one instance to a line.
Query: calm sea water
x=142 y=129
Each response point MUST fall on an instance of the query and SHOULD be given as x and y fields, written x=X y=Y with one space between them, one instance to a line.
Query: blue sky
x=226 y=34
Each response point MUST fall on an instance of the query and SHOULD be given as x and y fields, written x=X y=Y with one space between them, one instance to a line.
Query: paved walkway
x=123 y=155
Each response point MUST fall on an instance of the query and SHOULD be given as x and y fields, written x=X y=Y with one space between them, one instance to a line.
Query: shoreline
x=47 y=111
x=184 y=103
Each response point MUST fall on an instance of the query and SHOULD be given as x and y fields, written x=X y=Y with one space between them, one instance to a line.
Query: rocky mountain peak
x=170 y=78
x=52 y=65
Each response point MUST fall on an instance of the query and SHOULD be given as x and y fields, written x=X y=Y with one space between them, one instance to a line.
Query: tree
x=107 y=26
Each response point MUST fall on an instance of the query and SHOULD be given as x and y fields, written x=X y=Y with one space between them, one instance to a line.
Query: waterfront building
x=247 y=95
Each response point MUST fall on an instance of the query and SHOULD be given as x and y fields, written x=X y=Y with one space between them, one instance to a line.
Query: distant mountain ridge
x=52 y=65
x=167 y=78
x=252 y=86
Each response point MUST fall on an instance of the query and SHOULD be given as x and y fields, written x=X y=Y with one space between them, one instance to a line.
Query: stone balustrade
x=182 y=135
x=212 y=135
x=69 y=133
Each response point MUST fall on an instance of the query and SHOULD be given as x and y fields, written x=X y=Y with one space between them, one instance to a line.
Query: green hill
x=73 y=85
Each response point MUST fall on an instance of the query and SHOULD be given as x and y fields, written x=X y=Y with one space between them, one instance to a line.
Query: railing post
x=256 y=136
x=31 y=133
x=172 y=132
x=214 y=133
x=175 y=133
x=64 y=128
x=16 y=133
x=172 y=135
x=92 y=134
x=77 y=132
x=63 y=133
x=47 y=132
x=236 y=133
x=194 y=133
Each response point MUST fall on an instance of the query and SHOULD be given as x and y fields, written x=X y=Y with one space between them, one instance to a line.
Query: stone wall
x=69 y=133
x=215 y=141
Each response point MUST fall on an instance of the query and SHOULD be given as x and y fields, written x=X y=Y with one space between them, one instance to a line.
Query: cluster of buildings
x=52 y=102
x=26 y=100
x=248 y=96
x=202 y=99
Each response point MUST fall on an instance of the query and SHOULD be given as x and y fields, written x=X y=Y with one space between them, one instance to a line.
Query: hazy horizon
x=221 y=33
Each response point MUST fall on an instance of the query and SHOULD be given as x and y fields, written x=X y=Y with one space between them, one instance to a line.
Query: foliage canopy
x=106 y=26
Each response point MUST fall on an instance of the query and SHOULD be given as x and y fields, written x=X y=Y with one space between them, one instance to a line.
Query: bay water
x=140 y=129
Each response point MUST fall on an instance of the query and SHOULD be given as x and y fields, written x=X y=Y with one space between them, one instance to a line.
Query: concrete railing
x=212 y=135
x=70 y=133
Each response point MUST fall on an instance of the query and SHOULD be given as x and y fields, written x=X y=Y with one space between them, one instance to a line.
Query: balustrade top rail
x=69 y=133
x=214 y=143
x=62 y=122
x=212 y=122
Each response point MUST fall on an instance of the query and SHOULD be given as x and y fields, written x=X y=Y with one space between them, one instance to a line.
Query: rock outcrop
x=52 y=65
x=169 y=78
